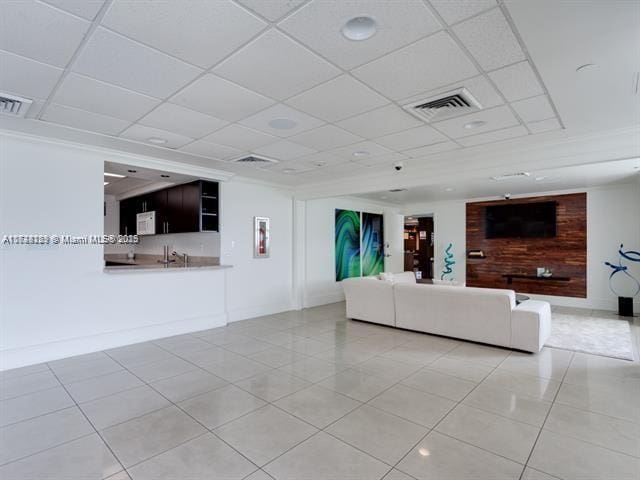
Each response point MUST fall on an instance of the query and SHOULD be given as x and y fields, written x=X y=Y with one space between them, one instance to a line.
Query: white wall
x=320 y=286
x=612 y=218
x=57 y=301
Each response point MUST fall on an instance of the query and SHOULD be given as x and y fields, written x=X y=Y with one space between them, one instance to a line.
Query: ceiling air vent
x=445 y=105
x=509 y=176
x=254 y=160
x=14 y=106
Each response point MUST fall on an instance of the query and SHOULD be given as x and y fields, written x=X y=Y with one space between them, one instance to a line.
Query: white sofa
x=478 y=314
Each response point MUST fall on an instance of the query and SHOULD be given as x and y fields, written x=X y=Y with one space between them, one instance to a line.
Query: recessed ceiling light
x=424 y=452
x=475 y=124
x=106 y=183
x=539 y=179
x=361 y=153
x=132 y=171
x=359 y=28
x=114 y=175
x=164 y=175
x=282 y=123
x=586 y=66
x=449 y=189
x=409 y=218
x=288 y=171
x=157 y=140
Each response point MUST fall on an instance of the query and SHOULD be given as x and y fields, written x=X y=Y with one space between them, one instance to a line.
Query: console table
x=524 y=276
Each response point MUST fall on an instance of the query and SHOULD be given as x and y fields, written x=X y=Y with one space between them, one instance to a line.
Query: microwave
x=146 y=223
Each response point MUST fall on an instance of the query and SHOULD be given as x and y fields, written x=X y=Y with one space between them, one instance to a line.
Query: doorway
x=418 y=245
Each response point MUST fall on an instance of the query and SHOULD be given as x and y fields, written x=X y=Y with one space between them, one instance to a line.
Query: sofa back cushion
x=479 y=314
x=369 y=299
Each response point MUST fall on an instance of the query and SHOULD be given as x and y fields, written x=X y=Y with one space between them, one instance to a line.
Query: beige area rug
x=607 y=337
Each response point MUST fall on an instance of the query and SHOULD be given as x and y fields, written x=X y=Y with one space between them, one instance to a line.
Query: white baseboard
x=238 y=314
x=317 y=300
x=19 y=357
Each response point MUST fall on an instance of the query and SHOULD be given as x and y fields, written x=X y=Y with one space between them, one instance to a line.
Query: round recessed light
x=282 y=124
x=449 y=189
x=164 y=175
x=424 y=452
x=584 y=67
x=359 y=28
x=132 y=170
x=539 y=179
x=361 y=153
x=156 y=140
x=288 y=171
x=475 y=124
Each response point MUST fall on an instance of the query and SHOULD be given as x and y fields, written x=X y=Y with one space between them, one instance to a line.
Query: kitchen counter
x=118 y=263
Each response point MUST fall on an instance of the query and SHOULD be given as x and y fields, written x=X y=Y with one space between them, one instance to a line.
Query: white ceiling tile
x=494 y=118
x=72 y=117
x=25 y=77
x=534 y=109
x=498 y=135
x=345 y=168
x=183 y=121
x=326 y=138
x=284 y=150
x=479 y=87
x=211 y=150
x=388 y=159
x=319 y=23
x=115 y=59
x=35 y=108
x=453 y=11
x=371 y=149
x=240 y=137
x=222 y=99
x=517 y=81
x=272 y=9
x=490 y=40
x=83 y=8
x=99 y=97
x=336 y=99
x=379 y=122
x=39 y=31
x=260 y=121
x=276 y=66
x=202 y=33
x=142 y=133
x=431 y=149
x=425 y=65
x=544 y=125
x=412 y=138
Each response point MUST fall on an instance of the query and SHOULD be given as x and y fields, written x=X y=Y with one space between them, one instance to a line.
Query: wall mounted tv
x=521 y=220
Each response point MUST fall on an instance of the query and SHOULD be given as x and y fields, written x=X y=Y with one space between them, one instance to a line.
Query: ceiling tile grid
x=231 y=77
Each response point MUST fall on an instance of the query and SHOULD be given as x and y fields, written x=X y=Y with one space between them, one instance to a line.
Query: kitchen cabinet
x=190 y=207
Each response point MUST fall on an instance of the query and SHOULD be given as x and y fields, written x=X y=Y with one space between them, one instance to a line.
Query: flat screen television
x=521 y=220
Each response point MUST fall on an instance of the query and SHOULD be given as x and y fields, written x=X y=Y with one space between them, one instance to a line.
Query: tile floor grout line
x=89 y=421
x=535 y=443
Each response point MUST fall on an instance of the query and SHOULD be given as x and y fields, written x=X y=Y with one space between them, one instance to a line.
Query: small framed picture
x=423 y=235
x=261 y=237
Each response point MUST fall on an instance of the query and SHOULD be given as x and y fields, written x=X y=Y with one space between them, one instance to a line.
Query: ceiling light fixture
x=361 y=153
x=157 y=140
x=449 y=189
x=114 y=175
x=424 y=452
x=282 y=124
x=539 y=179
x=586 y=66
x=475 y=124
x=359 y=28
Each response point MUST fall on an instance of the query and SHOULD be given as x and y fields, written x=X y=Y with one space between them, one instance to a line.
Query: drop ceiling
x=211 y=79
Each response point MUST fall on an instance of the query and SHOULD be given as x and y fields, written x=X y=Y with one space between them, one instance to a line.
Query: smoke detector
x=509 y=176
x=14 y=106
x=254 y=160
x=443 y=106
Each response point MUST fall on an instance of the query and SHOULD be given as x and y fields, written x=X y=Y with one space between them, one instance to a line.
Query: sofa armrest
x=530 y=325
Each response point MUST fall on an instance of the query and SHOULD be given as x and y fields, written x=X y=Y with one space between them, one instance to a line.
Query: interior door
x=394 y=239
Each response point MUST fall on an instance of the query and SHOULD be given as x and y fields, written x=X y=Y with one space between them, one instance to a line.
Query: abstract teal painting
x=347 y=244
x=372 y=244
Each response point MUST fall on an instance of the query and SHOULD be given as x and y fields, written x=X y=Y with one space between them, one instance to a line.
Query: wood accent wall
x=565 y=254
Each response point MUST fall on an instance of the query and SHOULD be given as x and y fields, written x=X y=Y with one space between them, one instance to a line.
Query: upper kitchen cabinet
x=191 y=207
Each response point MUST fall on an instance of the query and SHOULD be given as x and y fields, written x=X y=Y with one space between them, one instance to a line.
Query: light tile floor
x=311 y=395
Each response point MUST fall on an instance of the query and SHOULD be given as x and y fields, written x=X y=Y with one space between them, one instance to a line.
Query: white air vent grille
x=14 y=106
x=254 y=160
x=443 y=106
x=509 y=176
